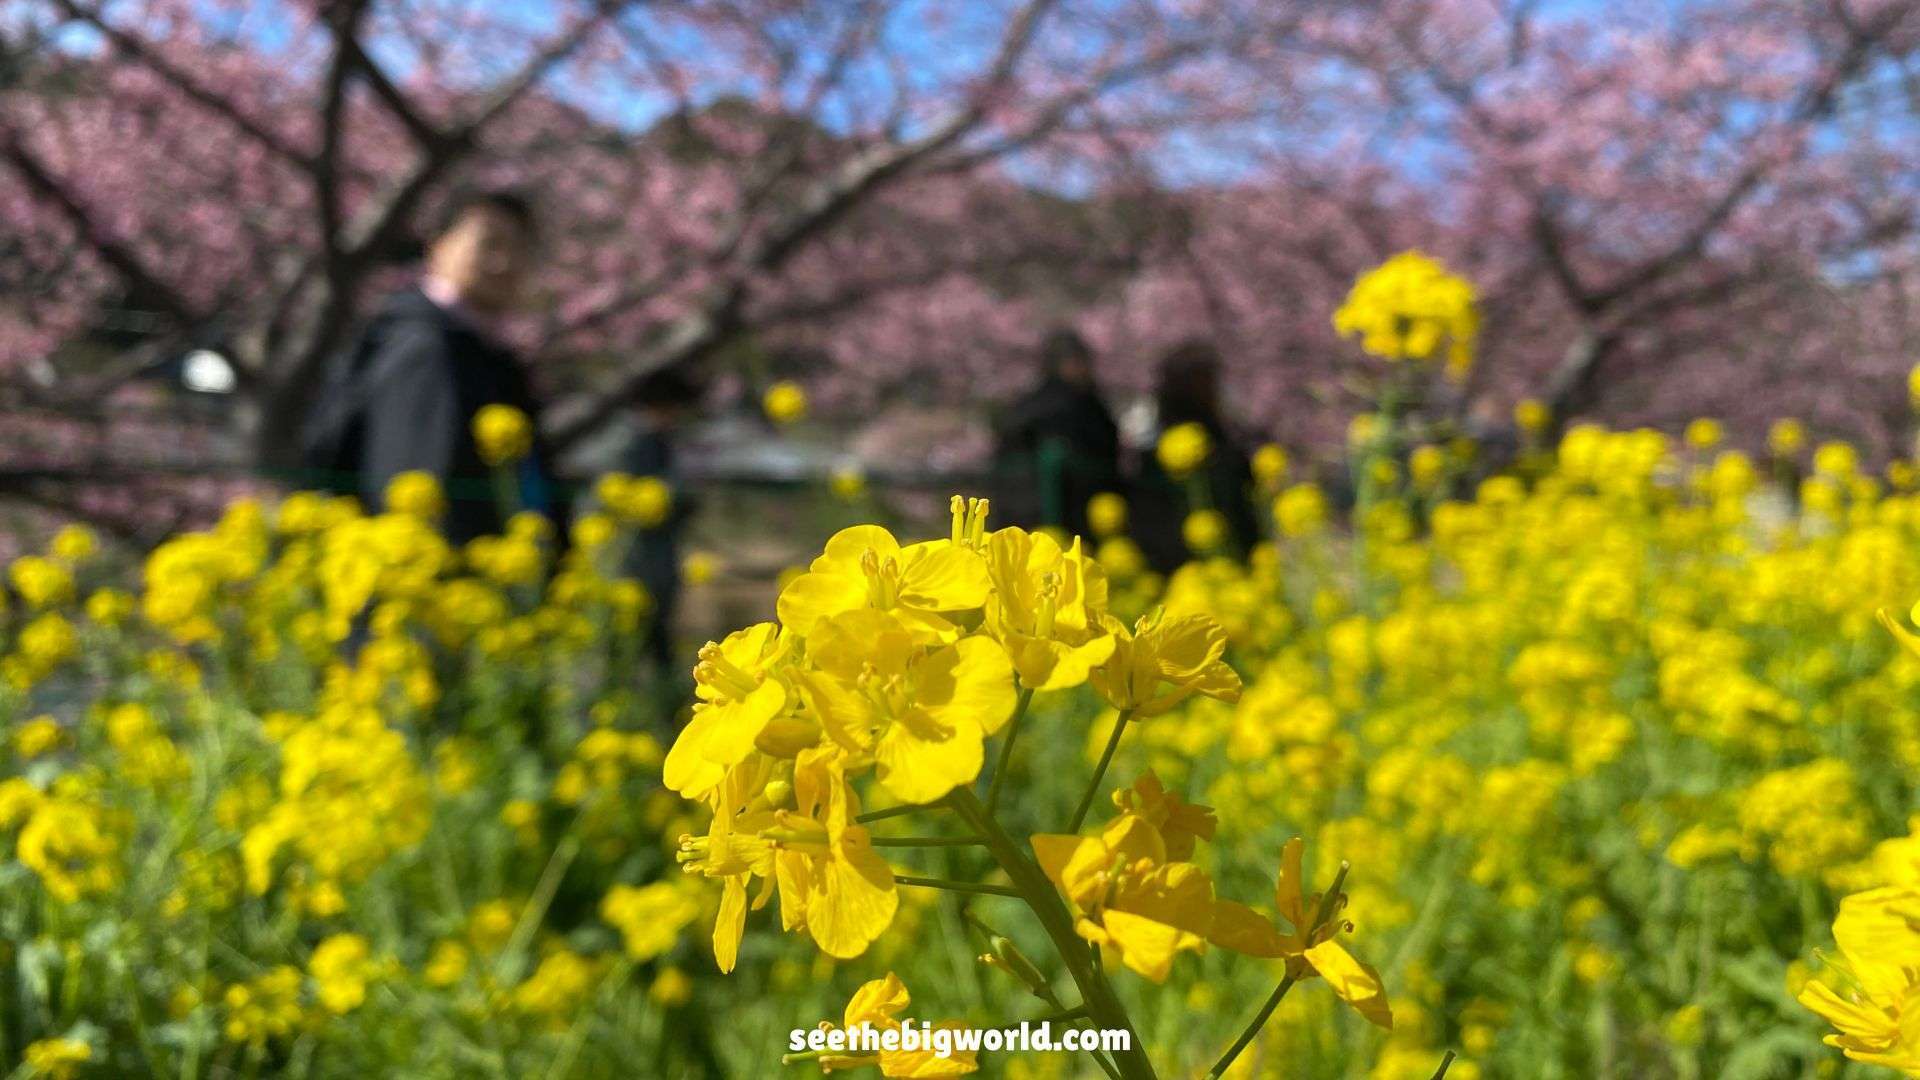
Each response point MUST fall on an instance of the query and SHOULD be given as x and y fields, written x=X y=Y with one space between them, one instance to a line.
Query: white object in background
x=207 y=372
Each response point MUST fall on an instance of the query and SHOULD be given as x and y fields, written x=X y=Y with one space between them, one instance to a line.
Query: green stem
x=615 y=978
x=1445 y=1064
x=891 y=812
x=537 y=904
x=1006 y=748
x=1102 y=1004
x=1105 y=1065
x=1074 y=1013
x=927 y=841
x=1259 y=1021
x=1100 y=770
x=955 y=886
x=1325 y=910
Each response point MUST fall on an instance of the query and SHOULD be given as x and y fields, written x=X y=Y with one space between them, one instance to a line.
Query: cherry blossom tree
x=1668 y=209
x=243 y=175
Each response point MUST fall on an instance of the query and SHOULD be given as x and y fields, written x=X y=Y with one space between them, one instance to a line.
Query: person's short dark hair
x=1061 y=347
x=513 y=204
x=671 y=388
x=1189 y=386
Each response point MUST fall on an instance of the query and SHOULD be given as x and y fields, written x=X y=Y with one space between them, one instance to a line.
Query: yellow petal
x=1241 y=929
x=748 y=649
x=731 y=923
x=851 y=901
x=847 y=547
x=1217 y=680
x=939 y=576
x=793 y=873
x=1146 y=947
x=814 y=596
x=1187 y=646
x=845 y=714
x=1286 y=891
x=1854 y=1019
x=1876 y=932
x=1355 y=983
x=877 y=1002
x=967 y=683
x=919 y=759
x=1053 y=851
x=687 y=769
x=1053 y=665
x=1179 y=895
x=1900 y=633
x=733 y=727
x=1133 y=839
x=852 y=641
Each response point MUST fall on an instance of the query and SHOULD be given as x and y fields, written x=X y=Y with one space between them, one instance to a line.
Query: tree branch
x=186 y=84
x=122 y=258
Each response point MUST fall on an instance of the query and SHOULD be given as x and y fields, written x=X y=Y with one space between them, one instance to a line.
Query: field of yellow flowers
x=1602 y=766
x=1589 y=759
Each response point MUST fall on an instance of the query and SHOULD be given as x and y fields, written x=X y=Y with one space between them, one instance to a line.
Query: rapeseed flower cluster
x=1408 y=308
x=1588 y=759
x=1632 y=698
x=891 y=669
x=325 y=771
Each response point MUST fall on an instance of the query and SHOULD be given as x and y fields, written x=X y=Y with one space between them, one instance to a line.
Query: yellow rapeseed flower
x=1183 y=448
x=416 y=494
x=1704 y=433
x=1204 y=531
x=1870 y=992
x=42 y=582
x=922 y=716
x=671 y=988
x=56 y=1059
x=645 y=501
x=73 y=544
x=37 y=736
x=1128 y=895
x=1162 y=661
x=649 y=917
x=848 y=483
x=502 y=434
x=877 y=1005
x=1310 y=943
x=1269 y=467
x=926 y=584
x=699 y=568
x=1107 y=514
x=1407 y=308
x=1786 y=437
x=341 y=967
x=784 y=402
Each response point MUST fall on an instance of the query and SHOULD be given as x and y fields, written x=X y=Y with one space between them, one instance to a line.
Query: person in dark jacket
x=1188 y=392
x=661 y=405
x=1058 y=446
x=437 y=360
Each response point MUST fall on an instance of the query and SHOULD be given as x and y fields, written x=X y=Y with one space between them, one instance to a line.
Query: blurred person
x=1058 y=446
x=404 y=396
x=1188 y=392
x=662 y=405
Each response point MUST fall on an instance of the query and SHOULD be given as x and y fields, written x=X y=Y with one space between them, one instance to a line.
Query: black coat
x=1074 y=425
x=654 y=559
x=420 y=416
x=1160 y=504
